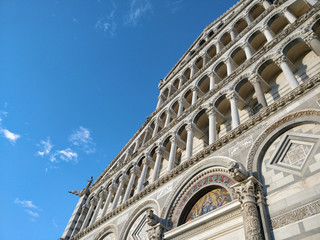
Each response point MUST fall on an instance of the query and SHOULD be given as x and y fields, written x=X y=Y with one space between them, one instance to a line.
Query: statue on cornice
x=83 y=191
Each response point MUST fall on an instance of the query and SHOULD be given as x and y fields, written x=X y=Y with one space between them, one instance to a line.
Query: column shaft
x=229 y=67
x=117 y=196
x=106 y=204
x=212 y=127
x=168 y=118
x=212 y=83
x=268 y=35
x=155 y=130
x=129 y=187
x=247 y=51
x=194 y=96
x=172 y=155
x=293 y=82
x=157 y=167
x=189 y=141
x=260 y=95
x=96 y=211
x=86 y=220
x=142 y=177
x=234 y=112
x=291 y=18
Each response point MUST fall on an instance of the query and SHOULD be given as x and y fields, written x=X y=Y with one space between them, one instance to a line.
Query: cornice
x=265 y=113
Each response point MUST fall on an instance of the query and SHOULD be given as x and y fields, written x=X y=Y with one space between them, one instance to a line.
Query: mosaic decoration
x=209 y=202
x=215 y=179
x=297 y=154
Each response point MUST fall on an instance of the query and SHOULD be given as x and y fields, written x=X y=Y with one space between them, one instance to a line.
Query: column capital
x=124 y=178
x=173 y=138
x=103 y=194
x=189 y=126
x=195 y=88
x=281 y=59
x=85 y=207
x=246 y=189
x=212 y=74
x=211 y=111
x=94 y=201
x=135 y=170
x=254 y=78
x=230 y=95
x=147 y=161
x=309 y=36
x=113 y=187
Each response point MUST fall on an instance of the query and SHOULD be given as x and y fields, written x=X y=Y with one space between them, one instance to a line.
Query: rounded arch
x=275 y=130
x=110 y=229
x=217 y=164
x=146 y=205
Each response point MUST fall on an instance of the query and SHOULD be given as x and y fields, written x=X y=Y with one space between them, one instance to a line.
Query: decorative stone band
x=246 y=126
x=218 y=87
x=295 y=215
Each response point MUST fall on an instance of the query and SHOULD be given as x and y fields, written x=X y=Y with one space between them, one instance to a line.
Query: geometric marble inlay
x=293 y=152
x=138 y=230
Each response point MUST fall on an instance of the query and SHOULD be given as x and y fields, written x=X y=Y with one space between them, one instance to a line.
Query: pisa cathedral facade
x=232 y=149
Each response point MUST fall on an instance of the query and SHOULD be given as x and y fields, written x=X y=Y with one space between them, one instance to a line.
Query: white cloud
x=54 y=223
x=12 y=137
x=138 y=8
x=25 y=203
x=46 y=147
x=32 y=213
x=107 y=23
x=174 y=5
x=67 y=155
x=82 y=139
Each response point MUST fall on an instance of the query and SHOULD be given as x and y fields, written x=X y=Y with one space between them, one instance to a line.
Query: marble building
x=232 y=148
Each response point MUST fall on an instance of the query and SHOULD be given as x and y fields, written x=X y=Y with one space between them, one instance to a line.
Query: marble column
x=229 y=66
x=212 y=80
x=156 y=127
x=135 y=171
x=205 y=58
x=233 y=34
x=268 y=34
x=247 y=50
x=193 y=70
x=248 y=19
x=157 y=165
x=168 y=118
x=234 y=110
x=147 y=162
x=102 y=196
x=218 y=47
x=122 y=180
x=160 y=100
x=291 y=18
x=182 y=80
x=138 y=141
x=283 y=63
x=256 y=82
x=313 y=42
x=93 y=203
x=189 y=148
x=84 y=211
x=173 y=151
x=194 y=95
x=266 y=4
x=212 y=125
x=246 y=191
x=147 y=132
x=180 y=110
x=112 y=188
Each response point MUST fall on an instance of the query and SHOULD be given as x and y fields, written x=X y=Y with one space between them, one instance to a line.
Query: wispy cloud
x=107 y=23
x=25 y=203
x=32 y=213
x=174 y=5
x=82 y=139
x=138 y=8
x=46 y=147
x=12 y=137
x=54 y=223
x=67 y=155
x=28 y=205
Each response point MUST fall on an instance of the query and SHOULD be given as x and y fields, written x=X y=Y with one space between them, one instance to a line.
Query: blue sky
x=77 y=80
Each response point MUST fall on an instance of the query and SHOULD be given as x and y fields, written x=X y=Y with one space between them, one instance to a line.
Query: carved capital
x=112 y=188
x=246 y=190
x=280 y=60
x=124 y=178
x=254 y=79
x=135 y=170
x=189 y=127
x=103 y=194
x=94 y=201
x=231 y=95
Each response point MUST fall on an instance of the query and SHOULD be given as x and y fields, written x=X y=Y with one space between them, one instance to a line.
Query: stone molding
x=108 y=229
x=297 y=214
x=237 y=132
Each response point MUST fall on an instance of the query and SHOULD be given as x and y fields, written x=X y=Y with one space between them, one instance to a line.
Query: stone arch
x=137 y=212
x=111 y=228
x=271 y=57
x=213 y=164
x=273 y=131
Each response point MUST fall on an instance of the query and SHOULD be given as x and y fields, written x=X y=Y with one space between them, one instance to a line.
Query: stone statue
x=151 y=218
x=238 y=171
x=83 y=191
